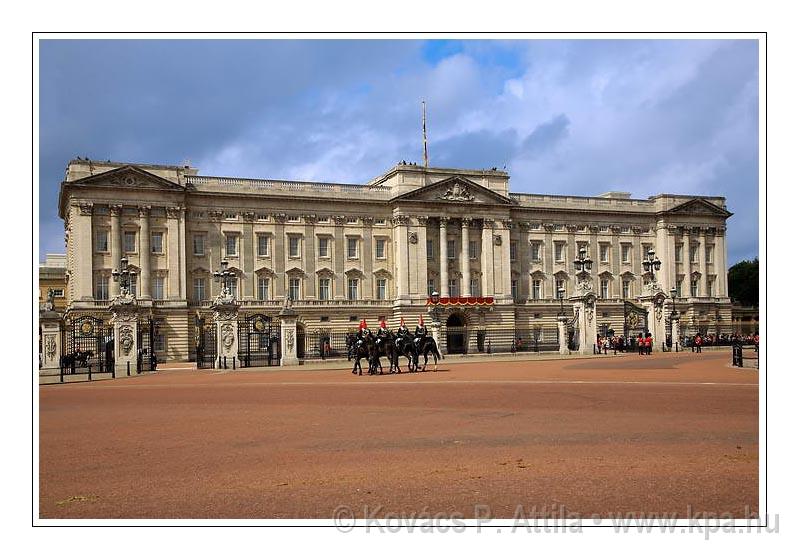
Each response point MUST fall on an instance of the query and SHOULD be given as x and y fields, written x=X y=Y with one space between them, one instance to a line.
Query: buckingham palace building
x=343 y=252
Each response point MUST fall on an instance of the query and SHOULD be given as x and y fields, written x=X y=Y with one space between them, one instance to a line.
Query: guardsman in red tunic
x=698 y=343
x=648 y=344
x=640 y=344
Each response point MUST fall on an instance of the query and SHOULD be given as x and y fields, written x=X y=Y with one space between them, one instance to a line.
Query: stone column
x=50 y=325
x=701 y=257
x=144 y=258
x=686 y=257
x=444 y=288
x=116 y=245
x=487 y=259
x=421 y=290
x=338 y=258
x=366 y=258
x=505 y=261
x=723 y=265
x=182 y=270
x=124 y=318
x=465 y=286
x=401 y=257
x=288 y=317
x=226 y=322
x=82 y=251
x=172 y=286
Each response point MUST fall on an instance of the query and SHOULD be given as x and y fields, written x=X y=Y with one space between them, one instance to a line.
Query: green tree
x=743 y=282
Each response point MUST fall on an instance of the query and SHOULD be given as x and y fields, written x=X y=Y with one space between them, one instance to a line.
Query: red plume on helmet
x=383 y=324
x=421 y=320
x=363 y=324
x=402 y=322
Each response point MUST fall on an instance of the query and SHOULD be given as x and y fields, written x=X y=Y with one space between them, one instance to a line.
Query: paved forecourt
x=662 y=434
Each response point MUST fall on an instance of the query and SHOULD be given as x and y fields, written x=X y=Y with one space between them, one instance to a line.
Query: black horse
x=79 y=358
x=428 y=346
x=385 y=347
x=365 y=350
x=405 y=347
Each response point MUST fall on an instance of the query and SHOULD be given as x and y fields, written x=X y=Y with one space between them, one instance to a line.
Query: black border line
x=623 y=528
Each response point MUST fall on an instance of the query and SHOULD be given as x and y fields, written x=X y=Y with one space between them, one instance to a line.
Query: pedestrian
x=648 y=344
x=698 y=343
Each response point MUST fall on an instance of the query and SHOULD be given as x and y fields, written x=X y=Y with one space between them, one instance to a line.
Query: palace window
x=473 y=249
x=157 y=242
x=474 y=287
x=559 y=251
x=230 y=245
x=693 y=253
x=294 y=246
x=604 y=250
x=380 y=248
x=324 y=288
x=134 y=283
x=158 y=287
x=199 y=289
x=199 y=244
x=431 y=286
x=626 y=252
x=536 y=251
x=452 y=287
x=294 y=289
x=352 y=288
x=352 y=248
x=710 y=287
x=380 y=288
x=693 y=287
x=679 y=252
x=263 y=289
x=559 y=286
x=451 y=249
x=263 y=245
x=709 y=254
x=101 y=287
x=101 y=241
x=129 y=241
x=514 y=289
x=626 y=289
x=513 y=250
x=604 y=289
x=160 y=343
x=429 y=249
x=323 y=244
x=536 y=289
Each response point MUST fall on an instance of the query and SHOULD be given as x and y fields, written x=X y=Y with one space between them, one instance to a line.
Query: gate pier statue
x=584 y=305
x=124 y=317
x=125 y=320
x=226 y=323
x=50 y=325
x=288 y=318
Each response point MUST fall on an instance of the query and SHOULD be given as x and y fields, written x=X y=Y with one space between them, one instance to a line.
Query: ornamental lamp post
x=225 y=276
x=435 y=303
x=582 y=262
x=673 y=317
x=123 y=276
x=651 y=263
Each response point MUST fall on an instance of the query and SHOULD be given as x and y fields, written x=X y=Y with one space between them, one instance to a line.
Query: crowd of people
x=698 y=341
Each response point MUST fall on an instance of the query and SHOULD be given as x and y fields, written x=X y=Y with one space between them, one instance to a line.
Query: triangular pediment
x=128 y=176
x=699 y=207
x=454 y=190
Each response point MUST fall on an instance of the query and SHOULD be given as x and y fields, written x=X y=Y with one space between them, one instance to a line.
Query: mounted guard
x=420 y=333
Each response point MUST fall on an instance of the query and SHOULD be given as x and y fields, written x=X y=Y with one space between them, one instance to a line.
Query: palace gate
x=259 y=341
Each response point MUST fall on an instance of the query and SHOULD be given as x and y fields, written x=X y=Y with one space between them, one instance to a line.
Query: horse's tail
x=436 y=350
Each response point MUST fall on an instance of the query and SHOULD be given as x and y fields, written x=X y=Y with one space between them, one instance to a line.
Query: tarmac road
x=660 y=435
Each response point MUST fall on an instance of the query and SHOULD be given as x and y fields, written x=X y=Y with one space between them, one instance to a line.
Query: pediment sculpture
x=457 y=191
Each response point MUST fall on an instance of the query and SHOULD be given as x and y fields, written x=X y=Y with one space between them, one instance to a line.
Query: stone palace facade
x=343 y=252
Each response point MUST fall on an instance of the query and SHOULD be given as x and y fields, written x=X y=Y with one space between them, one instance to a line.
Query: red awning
x=464 y=301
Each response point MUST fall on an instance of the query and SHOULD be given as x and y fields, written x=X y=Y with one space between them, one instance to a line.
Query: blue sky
x=564 y=117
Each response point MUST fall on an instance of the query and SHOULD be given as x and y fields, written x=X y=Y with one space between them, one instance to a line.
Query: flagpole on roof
x=424 y=136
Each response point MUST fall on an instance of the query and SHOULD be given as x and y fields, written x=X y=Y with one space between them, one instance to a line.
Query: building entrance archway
x=456 y=334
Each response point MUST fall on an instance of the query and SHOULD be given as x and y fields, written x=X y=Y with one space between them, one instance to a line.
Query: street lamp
x=560 y=292
x=435 y=302
x=582 y=262
x=651 y=263
x=673 y=316
x=123 y=276
x=225 y=276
